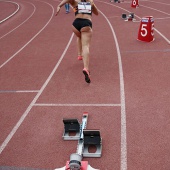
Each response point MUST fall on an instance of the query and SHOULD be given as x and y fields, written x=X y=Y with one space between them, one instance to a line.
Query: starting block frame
x=117 y=1
x=129 y=17
x=86 y=138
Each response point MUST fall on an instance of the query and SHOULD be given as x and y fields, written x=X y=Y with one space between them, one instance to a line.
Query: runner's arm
x=63 y=2
x=94 y=9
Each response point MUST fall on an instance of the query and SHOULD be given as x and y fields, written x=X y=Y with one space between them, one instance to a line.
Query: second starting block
x=129 y=17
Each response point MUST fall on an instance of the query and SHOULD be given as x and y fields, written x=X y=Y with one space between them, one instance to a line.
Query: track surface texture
x=41 y=82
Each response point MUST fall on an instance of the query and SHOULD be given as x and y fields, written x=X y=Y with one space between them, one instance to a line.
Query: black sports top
x=83 y=7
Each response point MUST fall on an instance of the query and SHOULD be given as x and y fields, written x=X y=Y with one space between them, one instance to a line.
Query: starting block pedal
x=71 y=126
x=92 y=139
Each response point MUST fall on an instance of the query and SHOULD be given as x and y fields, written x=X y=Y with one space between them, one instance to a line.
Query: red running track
x=41 y=82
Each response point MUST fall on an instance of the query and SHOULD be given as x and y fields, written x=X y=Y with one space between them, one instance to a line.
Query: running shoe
x=87 y=75
x=80 y=57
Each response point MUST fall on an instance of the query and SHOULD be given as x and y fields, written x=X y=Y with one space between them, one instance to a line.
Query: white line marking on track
x=27 y=42
x=155 y=9
x=96 y=105
x=123 y=111
x=19 y=91
x=122 y=96
x=159 y=3
x=162 y=18
x=21 y=23
x=168 y=41
x=9 y=137
x=12 y=13
x=146 y=51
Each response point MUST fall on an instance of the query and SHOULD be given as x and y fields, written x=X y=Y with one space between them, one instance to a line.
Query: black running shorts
x=79 y=23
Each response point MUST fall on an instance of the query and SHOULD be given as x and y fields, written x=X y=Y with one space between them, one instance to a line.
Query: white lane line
x=160 y=3
x=4 y=144
x=166 y=39
x=19 y=91
x=164 y=18
x=155 y=9
x=89 y=105
x=122 y=98
x=146 y=51
x=22 y=22
x=27 y=42
x=9 y=137
x=12 y=13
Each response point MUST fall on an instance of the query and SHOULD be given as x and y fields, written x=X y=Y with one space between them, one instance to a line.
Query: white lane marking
x=12 y=13
x=26 y=43
x=168 y=41
x=163 y=18
x=155 y=9
x=9 y=137
x=122 y=98
x=96 y=105
x=22 y=22
x=159 y=2
x=19 y=91
x=146 y=51
x=11 y=134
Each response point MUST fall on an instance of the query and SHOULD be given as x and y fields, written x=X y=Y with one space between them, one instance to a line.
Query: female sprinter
x=82 y=27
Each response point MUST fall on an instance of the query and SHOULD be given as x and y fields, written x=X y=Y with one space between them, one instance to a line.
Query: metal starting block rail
x=86 y=139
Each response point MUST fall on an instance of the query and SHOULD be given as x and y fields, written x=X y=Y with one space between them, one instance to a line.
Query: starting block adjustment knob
x=75 y=161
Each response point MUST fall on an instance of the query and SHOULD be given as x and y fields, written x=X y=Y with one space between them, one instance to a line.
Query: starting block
x=117 y=1
x=86 y=139
x=71 y=126
x=92 y=138
x=129 y=17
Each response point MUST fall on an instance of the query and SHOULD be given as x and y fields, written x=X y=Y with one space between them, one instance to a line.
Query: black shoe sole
x=87 y=79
